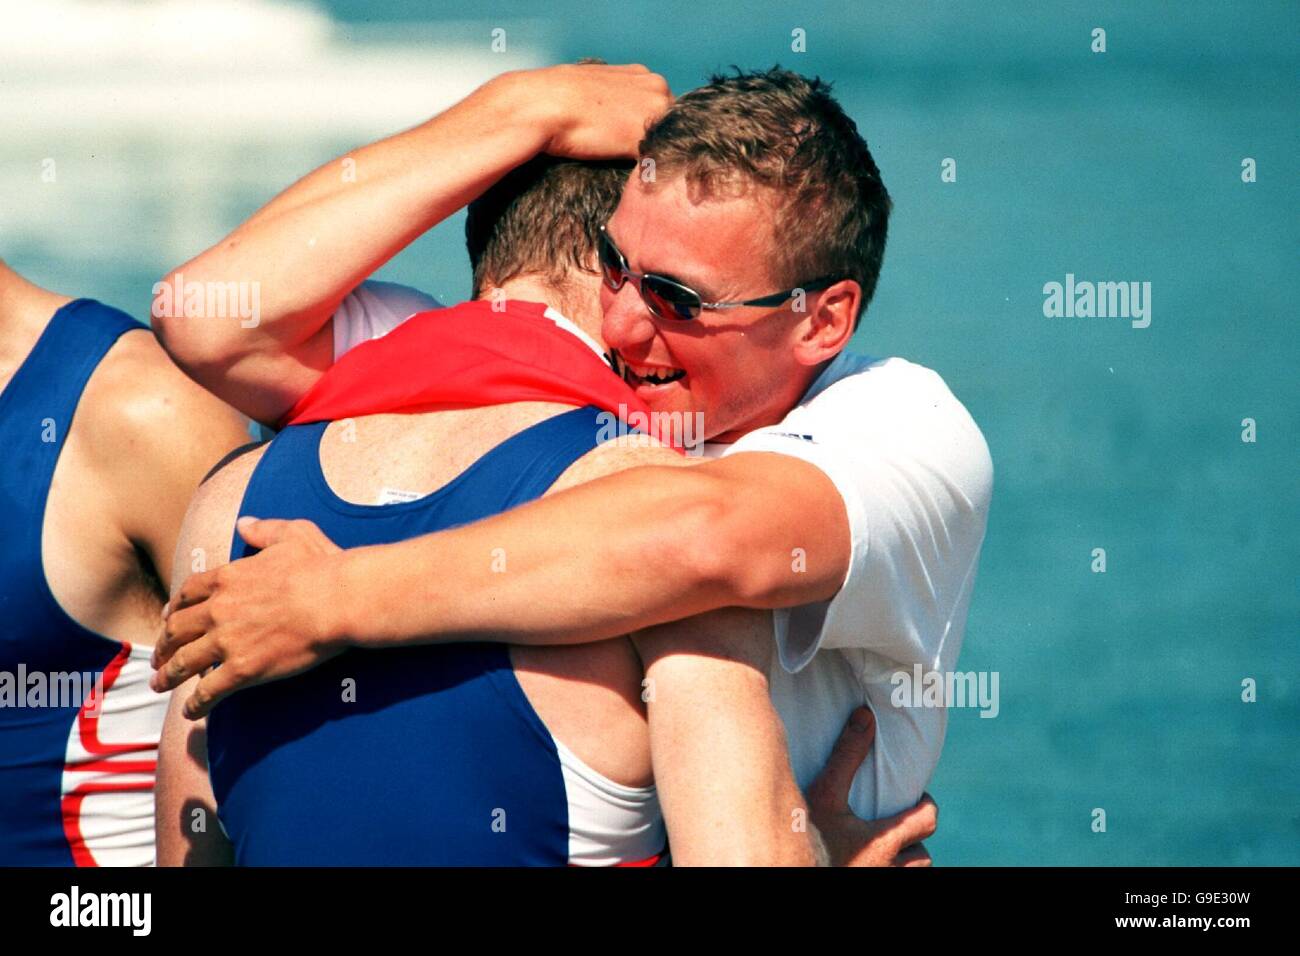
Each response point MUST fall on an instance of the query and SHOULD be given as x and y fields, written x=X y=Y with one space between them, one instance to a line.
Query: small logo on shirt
x=396 y=496
x=808 y=438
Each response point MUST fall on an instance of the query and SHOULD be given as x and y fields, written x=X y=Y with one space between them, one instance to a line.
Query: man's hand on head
x=591 y=111
x=262 y=618
x=892 y=841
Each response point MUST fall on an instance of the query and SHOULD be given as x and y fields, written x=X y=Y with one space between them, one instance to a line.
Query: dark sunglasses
x=668 y=298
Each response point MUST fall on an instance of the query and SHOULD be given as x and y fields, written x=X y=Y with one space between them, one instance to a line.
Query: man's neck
x=777 y=411
x=585 y=316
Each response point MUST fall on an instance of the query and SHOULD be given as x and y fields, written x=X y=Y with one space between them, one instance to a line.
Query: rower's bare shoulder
x=632 y=451
x=141 y=387
x=206 y=532
x=25 y=311
x=139 y=406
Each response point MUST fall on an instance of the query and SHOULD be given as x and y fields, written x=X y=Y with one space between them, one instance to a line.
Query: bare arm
x=315 y=242
x=751 y=530
x=186 y=826
x=686 y=540
x=718 y=746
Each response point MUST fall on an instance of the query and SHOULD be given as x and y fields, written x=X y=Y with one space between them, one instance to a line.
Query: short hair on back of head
x=543 y=219
x=787 y=133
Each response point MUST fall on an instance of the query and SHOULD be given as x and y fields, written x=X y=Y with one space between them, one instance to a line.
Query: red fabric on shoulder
x=469 y=356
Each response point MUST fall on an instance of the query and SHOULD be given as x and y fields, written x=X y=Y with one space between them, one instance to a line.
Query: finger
x=912 y=825
x=189 y=660
x=925 y=802
x=916 y=855
x=194 y=589
x=261 y=533
x=154 y=658
x=211 y=690
x=181 y=627
x=836 y=779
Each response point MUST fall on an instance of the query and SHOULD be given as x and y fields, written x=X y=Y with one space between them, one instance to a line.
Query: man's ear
x=829 y=324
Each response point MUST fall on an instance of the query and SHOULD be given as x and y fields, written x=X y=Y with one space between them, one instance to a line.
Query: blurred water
x=1119 y=690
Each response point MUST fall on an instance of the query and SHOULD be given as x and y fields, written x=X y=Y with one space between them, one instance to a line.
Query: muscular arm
x=755 y=530
x=752 y=530
x=718 y=746
x=315 y=242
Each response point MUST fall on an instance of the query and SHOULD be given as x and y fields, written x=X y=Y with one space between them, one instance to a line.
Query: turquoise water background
x=1121 y=690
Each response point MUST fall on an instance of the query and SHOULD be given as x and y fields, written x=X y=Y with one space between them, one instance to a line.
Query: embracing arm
x=723 y=769
x=751 y=530
x=755 y=530
x=718 y=746
x=314 y=243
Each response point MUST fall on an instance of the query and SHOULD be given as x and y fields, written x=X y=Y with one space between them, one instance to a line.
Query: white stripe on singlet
x=608 y=822
x=109 y=766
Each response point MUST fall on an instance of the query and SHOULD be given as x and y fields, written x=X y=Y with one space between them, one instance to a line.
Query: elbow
x=179 y=335
x=194 y=319
x=166 y=315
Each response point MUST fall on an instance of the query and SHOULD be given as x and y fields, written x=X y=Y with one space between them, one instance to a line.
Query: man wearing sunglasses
x=670 y=299
x=850 y=495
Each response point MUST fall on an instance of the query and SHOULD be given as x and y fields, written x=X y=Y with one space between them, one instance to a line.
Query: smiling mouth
x=651 y=375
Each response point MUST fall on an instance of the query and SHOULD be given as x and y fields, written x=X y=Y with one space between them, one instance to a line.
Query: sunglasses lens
x=611 y=263
x=668 y=300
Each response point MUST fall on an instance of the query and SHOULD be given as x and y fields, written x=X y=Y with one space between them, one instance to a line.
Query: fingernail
x=861 y=720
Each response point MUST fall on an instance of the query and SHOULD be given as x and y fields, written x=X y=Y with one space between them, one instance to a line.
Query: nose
x=627 y=323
